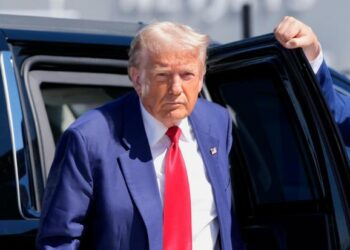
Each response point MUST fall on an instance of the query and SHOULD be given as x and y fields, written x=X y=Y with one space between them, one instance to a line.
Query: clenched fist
x=292 y=33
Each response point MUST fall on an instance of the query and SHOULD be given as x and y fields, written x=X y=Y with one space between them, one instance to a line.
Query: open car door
x=290 y=173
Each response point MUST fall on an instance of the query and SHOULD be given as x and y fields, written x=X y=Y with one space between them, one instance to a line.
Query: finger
x=292 y=43
x=299 y=42
x=287 y=29
x=281 y=24
x=286 y=25
x=280 y=27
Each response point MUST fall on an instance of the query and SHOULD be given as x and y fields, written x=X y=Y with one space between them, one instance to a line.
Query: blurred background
x=223 y=20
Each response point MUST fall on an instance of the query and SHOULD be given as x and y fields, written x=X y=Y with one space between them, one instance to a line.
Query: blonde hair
x=158 y=36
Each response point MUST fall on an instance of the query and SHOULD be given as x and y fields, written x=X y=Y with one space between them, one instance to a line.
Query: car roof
x=83 y=26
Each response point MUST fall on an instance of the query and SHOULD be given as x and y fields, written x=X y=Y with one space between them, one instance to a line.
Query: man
x=291 y=33
x=150 y=170
x=107 y=182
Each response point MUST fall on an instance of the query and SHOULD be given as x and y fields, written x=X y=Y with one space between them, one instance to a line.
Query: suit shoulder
x=211 y=108
x=102 y=120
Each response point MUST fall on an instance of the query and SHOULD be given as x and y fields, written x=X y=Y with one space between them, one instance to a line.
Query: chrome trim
x=13 y=105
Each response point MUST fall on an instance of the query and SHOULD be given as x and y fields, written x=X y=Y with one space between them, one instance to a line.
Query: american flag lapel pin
x=213 y=151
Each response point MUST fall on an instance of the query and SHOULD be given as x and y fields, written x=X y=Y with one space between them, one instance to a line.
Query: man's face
x=168 y=84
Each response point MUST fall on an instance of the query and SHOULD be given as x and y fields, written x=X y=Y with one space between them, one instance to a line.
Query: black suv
x=289 y=169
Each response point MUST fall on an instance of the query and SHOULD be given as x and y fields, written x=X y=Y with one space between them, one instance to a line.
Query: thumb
x=301 y=42
x=310 y=47
x=295 y=43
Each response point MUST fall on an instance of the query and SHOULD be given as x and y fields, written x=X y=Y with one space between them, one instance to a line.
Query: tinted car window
x=64 y=103
x=62 y=88
x=268 y=135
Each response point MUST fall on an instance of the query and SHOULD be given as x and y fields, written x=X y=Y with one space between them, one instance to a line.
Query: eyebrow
x=164 y=67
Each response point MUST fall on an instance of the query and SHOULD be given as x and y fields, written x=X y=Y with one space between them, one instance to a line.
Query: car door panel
x=282 y=164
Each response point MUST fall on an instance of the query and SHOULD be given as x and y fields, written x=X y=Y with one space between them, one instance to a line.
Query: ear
x=200 y=84
x=134 y=74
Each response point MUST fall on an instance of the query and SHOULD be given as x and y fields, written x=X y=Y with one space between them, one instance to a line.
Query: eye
x=162 y=76
x=187 y=75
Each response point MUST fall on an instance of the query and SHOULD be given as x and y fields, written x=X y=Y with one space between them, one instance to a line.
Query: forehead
x=172 y=58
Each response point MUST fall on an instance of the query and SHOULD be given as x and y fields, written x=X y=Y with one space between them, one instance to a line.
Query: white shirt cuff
x=316 y=63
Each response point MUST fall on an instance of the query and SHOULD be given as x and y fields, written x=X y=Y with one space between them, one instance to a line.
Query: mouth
x=173 y=106
x=174 y=103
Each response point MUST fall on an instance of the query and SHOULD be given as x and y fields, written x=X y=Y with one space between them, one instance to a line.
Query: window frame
x=16 y=121
x=34 y=77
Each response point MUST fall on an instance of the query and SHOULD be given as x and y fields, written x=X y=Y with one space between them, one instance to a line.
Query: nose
x=176 y=85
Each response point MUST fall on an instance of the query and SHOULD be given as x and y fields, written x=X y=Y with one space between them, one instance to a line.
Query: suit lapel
x=138 y=169
x=208 y=145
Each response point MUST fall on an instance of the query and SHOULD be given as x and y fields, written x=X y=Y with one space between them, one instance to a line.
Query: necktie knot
x=174 y=134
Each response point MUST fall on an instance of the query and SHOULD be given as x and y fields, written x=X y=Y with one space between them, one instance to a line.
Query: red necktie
x=177 y=201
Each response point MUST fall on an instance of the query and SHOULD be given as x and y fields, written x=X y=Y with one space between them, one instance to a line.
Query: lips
x=175 y=103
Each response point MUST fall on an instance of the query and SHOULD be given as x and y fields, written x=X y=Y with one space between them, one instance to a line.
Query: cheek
x=152 y=96
x=158 y=91
x=193 y=90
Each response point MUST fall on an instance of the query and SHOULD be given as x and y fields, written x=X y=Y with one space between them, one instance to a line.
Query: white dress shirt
x=316 y=63
x=205 y=228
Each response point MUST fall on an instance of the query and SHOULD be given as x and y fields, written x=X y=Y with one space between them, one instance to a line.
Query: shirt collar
x=155 y=130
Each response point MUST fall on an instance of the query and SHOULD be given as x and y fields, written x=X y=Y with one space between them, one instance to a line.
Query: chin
x=178 y=114
x=174 y=118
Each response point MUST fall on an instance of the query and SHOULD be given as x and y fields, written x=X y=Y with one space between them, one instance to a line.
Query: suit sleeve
x=67 y=195
x=339 y=104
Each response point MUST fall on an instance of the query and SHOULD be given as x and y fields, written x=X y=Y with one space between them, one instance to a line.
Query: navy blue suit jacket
x=102 y=191
x=339 y=104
